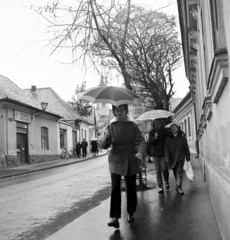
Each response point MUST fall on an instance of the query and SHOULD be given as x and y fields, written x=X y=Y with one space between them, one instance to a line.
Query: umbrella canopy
x=93 y=139
x=154 y=114
x=110 y=94
x=176 y=123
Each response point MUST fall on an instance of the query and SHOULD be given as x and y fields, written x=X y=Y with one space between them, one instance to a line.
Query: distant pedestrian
x=98 y=148
x=156 y=140
x=176 y=150
x=123 y=136
x=78 y=149
x=94 y=148
x=84 y=146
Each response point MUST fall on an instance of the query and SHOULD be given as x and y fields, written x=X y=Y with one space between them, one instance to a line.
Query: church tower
x=102 y=109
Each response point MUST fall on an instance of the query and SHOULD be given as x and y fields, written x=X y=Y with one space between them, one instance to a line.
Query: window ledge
x=207 y=107
x=218 y=76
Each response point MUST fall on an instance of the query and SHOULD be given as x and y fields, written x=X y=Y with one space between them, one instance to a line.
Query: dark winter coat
x=128 y=140
x=94 y=145
x=176 y=149
x=157 y=145
x=84 y=145
x=78 y=148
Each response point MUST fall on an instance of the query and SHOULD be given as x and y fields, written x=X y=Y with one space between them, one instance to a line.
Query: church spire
x=102 y=83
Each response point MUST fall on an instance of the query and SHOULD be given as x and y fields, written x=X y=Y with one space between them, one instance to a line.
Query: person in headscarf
x=128 y=146
x=78 y=149
x=176 y=150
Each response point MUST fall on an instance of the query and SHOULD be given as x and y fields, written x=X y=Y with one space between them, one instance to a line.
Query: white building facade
x=206 y=45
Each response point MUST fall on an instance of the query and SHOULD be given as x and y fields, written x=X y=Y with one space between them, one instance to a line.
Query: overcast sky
x=24 y=60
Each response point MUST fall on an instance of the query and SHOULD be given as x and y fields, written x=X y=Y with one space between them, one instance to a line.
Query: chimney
x=33 y=88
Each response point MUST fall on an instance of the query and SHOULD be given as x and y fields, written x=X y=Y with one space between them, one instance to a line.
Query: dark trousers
x=178 y=172
x=84 y=152
x=131 y=194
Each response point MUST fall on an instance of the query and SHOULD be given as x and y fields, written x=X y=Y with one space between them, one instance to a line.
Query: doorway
x=22 y=148
x=22 y=143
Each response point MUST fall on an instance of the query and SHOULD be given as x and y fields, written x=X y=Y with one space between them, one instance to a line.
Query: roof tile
x=10 y=91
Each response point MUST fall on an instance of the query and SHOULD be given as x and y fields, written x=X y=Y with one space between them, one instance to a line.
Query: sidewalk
x=25 y=169
x=167 y=216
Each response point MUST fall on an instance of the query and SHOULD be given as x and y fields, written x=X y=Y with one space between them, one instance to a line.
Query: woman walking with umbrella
x=157 y=137
x=123 y=136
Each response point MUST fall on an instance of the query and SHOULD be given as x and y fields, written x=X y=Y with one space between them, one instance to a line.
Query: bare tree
x=152 y=52
x=78 y=27
x=82 y=107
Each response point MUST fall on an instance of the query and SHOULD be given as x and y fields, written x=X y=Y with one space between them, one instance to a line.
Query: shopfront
x=22 y=120
x=26 y=139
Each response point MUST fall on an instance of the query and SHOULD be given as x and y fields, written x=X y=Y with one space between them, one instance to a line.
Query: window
x=62 y=138
x=189 y=127
x=74 y=136
x=185 y=127
x=217 y=24
x=85 y=134
x=44 y=138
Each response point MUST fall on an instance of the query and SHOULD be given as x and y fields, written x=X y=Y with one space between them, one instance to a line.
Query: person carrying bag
x=176 y=150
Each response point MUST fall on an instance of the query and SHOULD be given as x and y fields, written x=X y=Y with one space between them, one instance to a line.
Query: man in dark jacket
x=84 y=146
x=157 y=137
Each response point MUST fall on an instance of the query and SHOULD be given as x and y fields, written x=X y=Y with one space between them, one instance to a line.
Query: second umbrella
x=154 y=114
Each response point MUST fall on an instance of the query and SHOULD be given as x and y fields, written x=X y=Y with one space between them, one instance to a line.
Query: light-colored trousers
x=161 y=169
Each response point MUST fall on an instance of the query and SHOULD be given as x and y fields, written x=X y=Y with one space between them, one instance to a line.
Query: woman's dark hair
x=162 y=123
x=180 y=133
x=125 y=107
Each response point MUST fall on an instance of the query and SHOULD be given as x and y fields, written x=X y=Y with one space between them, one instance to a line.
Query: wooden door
x=22 y=150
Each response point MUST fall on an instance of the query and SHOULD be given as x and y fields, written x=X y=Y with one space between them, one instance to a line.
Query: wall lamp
x=43 y=106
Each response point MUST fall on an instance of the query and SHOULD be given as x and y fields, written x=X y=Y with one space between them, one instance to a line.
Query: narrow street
x=35 y=205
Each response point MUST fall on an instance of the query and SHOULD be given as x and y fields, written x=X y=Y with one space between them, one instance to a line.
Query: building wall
x=2 y=130
x=35 y=136
x=69 y=138
x=84 y=128
x=215 y=146
x=31 y=132
x=183 y=115
x=135 y=111
x=35 y=151
x=8 y=136
x=102 y=109
x=2 y=139
x=78 y=135
x=212 y=98
x=10 y=132
x=215 y=140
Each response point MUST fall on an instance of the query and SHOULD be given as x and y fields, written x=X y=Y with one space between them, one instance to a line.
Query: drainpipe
x=197 y=143
x=80 y=132
x=7 y=132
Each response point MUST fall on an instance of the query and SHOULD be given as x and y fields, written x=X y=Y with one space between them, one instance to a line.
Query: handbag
x=188 y=170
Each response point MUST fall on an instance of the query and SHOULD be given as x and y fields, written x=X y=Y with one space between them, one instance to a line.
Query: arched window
x=44 y=138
